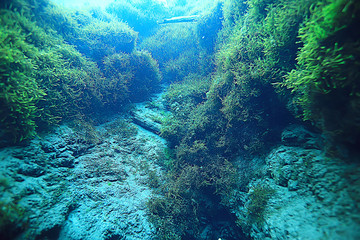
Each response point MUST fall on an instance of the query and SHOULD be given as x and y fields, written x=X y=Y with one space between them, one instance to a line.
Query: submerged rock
x=314 y=196
x=150 y=115
x=68 y=188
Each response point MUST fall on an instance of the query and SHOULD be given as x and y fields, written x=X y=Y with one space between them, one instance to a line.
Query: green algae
x=325 y=81
x=53 y=67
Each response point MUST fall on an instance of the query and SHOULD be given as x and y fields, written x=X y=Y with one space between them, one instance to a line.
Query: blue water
x=179 y=119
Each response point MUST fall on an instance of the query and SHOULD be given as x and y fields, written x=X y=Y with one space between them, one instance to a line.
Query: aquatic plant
x=19 y=91
x=45 y=79
x=179 y=211
x=182 y=99
x=325 y=82
x=133 y=76
x=208 y=26
x=258 y=198
x=250 y=58
x=106 y=38
x=139 y=15
x=147 y=75
x=236 y=109
x=12 y=219
x=176 y=49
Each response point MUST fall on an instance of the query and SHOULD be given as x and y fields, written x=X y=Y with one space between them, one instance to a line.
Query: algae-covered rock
x=315 y=196
x=61 y=186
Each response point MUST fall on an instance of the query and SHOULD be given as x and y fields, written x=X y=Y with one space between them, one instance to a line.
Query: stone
x=297 y=135
x=76 y=190
x=31 y=169
x=312 y=193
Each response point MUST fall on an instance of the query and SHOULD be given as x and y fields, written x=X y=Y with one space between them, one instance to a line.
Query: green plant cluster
x=258 y=199
x=326 y=80
x=234 y=109
x=179 y=211
x=140 y=15
x=208 y=26
x=130 y=76
x=178 y=52
x=240 y=108
x=12 y=220
x=19 y=91
x=57 y=65
x=100 y=35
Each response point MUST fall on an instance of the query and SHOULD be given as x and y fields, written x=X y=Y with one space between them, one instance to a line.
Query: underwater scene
x=179 y=119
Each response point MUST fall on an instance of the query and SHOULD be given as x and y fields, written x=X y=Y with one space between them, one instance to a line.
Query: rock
x=146 y=123
x=315 y=195
x=65 y=159
x=31 y=170
x=72 y=189
x=297 y=135
x=292 y=185
x=150 y=115
x=48 y=147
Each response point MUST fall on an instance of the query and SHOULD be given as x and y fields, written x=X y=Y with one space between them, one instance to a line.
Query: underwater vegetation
x=259 y=196
x=142 y=16
x=246 y=66
x=12 y=219
x=178 y=51
x=58 y=65
x=237 y=77
x=326 y=80
x=242 y=105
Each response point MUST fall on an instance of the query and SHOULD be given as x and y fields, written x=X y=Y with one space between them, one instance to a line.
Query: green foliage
x=182 y=99
x=233 y=11
x=147 y=75
x=86 y=132
x=118 y=72
x=12 y=220
x=251 y=56
x=168 y=158
x=259 y=197
x=105 y=38
x=19 y=91
x=167 y=218
x=45 y=79
x=132 y=76
x=140 y=15
x=41 y=77
x=208 y=27
x=179 y=211
x=176 y=49
x=325 y=82
x=170 y=41
x=233 y=110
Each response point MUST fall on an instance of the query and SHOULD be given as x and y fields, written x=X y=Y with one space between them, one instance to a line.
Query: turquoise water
x=179 y=119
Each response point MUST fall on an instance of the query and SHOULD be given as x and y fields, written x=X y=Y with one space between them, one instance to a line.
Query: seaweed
x=19 y=91
x=325 y=82
x=259 y=196
x=236 y=109
x=60 y=65
x=12 y=220
x=177 y=50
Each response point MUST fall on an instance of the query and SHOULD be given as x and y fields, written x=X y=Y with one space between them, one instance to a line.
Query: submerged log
x=191 y=18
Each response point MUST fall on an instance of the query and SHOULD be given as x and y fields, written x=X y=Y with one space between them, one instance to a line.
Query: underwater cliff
x=243 y=123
